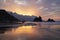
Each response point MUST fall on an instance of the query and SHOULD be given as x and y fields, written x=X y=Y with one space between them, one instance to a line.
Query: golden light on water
x=25 y=29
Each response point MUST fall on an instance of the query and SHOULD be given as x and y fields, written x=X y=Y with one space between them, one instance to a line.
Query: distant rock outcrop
x=38 y=19
x=50 y=20
x=5 y=17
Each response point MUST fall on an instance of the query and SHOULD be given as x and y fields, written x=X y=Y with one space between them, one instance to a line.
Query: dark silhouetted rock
x=50 y=20
x=38 y=19
x=5 y=17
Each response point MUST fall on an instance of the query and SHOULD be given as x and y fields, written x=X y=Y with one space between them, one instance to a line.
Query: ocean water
x=31 y=31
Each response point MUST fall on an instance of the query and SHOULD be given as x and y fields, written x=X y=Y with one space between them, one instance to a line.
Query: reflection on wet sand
x=23 y=30
x=37 y=32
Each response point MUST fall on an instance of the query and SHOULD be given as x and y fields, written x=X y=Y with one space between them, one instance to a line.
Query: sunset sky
x=45 y=8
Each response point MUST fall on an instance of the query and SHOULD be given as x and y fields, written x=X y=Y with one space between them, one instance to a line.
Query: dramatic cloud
x=44 y=8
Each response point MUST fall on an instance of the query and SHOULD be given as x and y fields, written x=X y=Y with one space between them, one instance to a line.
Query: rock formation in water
x=38 y=19
x=5 y=17
x=50 y=20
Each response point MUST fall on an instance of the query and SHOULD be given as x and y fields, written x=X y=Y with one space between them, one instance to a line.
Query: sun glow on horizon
x=26 y=11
